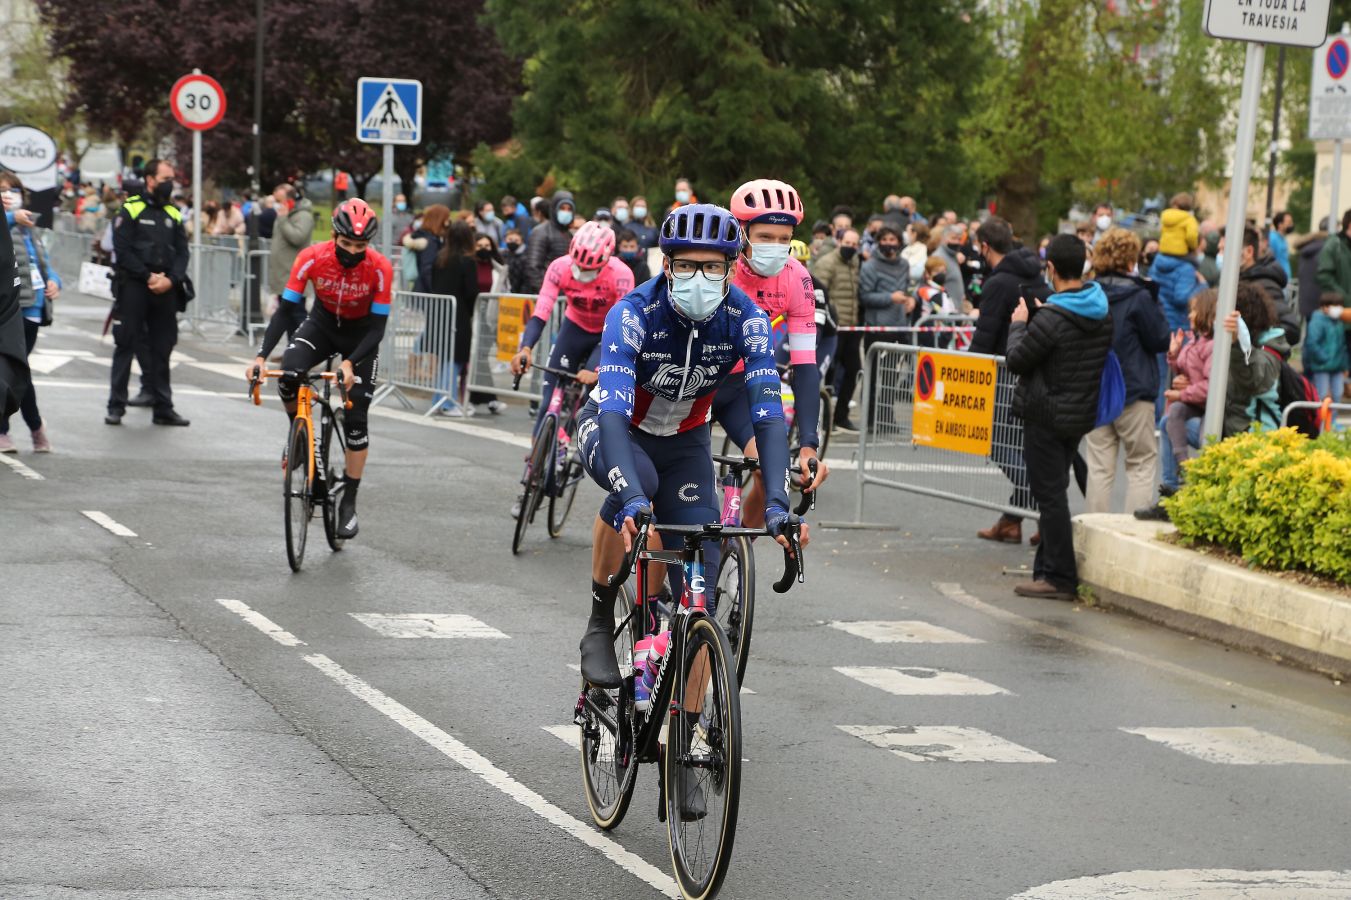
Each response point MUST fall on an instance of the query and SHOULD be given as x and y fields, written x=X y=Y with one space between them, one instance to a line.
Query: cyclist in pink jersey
x=782 y=287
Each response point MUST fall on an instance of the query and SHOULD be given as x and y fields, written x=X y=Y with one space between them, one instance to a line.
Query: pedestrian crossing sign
x=389 y=111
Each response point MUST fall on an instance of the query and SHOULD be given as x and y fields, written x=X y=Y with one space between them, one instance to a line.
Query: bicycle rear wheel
x=735 y=599
x=560 y=500
x=534 y=480
x=332 y=481
x=296 y=489
x=609 y=758
x=703 y=763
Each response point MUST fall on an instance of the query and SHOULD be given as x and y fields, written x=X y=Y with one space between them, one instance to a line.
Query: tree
x=37 y=92
x=1134 y=95
x=315 y=51
x=847 y=100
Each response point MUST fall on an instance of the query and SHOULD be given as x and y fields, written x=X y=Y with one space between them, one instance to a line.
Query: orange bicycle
x=310 y=477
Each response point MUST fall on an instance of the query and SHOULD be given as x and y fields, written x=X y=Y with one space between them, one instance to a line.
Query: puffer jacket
x=999 y=295
x=1139 y=332
x=877 y=279
x=1254 y=376
x=1267 y=274
x=548 y=241
x=1177 y=281
x=1058 y=356
x=840 y=280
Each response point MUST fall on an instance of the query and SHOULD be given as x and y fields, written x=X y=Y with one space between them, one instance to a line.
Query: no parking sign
x=954 y=402
x=1330 y=100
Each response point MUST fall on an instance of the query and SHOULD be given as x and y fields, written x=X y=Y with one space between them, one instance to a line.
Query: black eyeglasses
x=716 y=269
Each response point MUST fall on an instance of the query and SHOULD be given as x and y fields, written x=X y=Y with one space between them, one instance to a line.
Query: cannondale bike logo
x=666 y=380
x=686 y=493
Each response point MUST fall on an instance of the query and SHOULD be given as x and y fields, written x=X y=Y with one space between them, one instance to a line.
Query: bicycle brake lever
x=640 y=540
x=793 y=569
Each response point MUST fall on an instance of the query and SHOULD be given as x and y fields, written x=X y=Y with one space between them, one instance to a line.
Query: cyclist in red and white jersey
x=782 y=287
x=352 y=286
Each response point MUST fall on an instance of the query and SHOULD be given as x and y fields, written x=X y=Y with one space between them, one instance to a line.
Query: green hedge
x=1278 y=499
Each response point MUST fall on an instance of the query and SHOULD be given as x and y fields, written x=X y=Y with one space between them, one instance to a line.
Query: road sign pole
x=197 y=210
x=387 y=203
x=1233 y=231
x=1334 y=216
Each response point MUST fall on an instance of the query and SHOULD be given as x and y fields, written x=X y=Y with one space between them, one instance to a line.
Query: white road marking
x=568 y=734
x=575 y=667
x=1200 y=884
x=905 y=632
x=916 y=681
x=262 y=623
x=427 y=625
x=1237 y=746
x=479 y=765
x=943 y=743
x=478 y=431
x=102 y=386
x=107 y=522
x=955 y=593
x=229 y=370
x=880 y=465
x=46 y=363
x=20 y=468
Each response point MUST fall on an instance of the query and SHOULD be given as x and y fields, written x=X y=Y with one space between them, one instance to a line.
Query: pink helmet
x=767 y=200
x=592 y=245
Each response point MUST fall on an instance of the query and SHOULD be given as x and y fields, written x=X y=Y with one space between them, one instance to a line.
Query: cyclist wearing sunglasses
x=644 y=433
x=352 y=285
x=782 y=287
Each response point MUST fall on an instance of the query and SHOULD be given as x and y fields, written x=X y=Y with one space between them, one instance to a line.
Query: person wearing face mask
x=781 y=286
x=549 y=239
x=150 y=283
x=486 y=222
x=592 y=279
x=915 y=249
x=643 y=433
x=885 y=298
x=38 y=286
x=514 y=253
x=642 y=224
x=401 y=219
x=352 y=283
x=632 y=256
x=684 y=194
x=491 y=276
x=1102 y=220
x=837 y=272
x=950 y=251
x=619 y=212
x=1325 y=350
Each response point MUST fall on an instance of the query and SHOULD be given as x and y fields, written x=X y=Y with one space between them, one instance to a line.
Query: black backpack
x=1292 y=387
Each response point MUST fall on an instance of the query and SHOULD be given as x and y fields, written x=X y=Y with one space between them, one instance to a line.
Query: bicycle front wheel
x=734 y=605
x=703 y=763
x=535 y=480
x=609 y=758
x=297 y=492
x=333 y=494
x=568 y=476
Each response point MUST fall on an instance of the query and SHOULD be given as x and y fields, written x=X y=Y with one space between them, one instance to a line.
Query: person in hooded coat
x=549 y=239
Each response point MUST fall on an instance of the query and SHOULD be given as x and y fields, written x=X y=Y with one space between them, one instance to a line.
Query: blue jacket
x=1325 y=345
x=1177 y=281
x=1139 y=332
x=659 y=372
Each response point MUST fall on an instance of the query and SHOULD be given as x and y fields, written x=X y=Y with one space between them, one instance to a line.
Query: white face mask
x=1332 y=312
x=768 y=260
x=585 y=276
x=1104 y=223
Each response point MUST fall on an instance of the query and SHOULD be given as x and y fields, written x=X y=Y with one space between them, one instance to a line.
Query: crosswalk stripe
x=1237 y=746
x=904 y=632
x=568 y=734
x=944 y=743
x=427 y=625
x=916 y=681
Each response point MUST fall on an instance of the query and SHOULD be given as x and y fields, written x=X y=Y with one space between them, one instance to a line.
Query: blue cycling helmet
x=700 y=226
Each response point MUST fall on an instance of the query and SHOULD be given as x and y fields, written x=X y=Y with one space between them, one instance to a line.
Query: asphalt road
x=184 y=715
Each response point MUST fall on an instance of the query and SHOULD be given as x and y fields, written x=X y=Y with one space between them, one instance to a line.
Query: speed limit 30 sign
x=198 y=102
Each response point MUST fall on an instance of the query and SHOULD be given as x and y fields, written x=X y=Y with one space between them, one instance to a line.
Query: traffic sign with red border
x=197 y=102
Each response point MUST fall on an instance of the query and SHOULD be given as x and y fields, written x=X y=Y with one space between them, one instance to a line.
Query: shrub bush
x=1278 y=499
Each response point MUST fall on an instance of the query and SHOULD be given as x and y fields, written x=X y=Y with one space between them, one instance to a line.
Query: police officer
x=149 y=279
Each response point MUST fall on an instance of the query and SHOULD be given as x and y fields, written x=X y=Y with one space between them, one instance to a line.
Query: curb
x=1129 y=568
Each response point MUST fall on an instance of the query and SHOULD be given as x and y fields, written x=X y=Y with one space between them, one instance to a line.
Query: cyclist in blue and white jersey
x=644 y=433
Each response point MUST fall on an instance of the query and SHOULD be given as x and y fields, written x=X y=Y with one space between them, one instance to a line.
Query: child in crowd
x=1191 y=361
x=1175 y=266
x=1325 y=353
x=632 y=257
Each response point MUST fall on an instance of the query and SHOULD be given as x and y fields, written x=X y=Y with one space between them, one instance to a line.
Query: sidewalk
x=134 y=761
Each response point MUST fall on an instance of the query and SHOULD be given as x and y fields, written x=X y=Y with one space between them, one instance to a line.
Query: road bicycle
x=734 y=588
x=310 y=477
x=694 y=700
x=825 y=423
x=554 y=467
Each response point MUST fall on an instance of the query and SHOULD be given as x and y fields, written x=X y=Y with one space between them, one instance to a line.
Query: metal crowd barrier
x=418 y=352
x=488 y=371
x=1328 y=424
x=907 y=441
x=66 y=250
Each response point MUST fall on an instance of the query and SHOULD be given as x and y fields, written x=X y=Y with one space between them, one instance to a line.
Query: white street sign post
x=198 y=103
x=389 y=112
x=1297 y=23
x=1330 y=106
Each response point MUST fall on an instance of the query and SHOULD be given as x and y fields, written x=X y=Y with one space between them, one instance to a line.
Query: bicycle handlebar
x=808 y=500
x=639 y=542
x=261 y=375
x=560 y=373
x=793 y=566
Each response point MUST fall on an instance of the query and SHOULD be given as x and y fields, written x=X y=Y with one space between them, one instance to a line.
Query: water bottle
x=642 y=691
x=655 y=654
